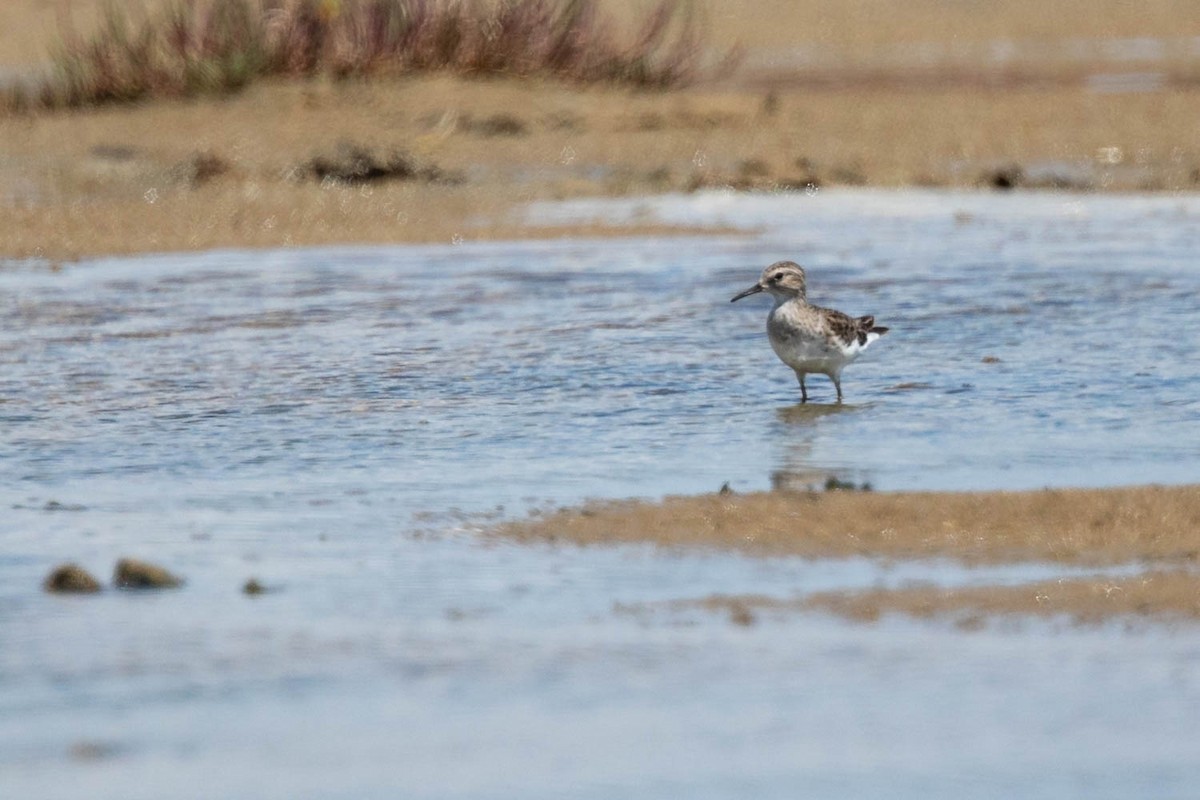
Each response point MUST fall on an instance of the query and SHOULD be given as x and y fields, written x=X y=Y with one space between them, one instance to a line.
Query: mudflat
x=863 y=94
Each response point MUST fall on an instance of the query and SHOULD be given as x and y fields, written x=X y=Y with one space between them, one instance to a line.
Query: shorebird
x=809 y=338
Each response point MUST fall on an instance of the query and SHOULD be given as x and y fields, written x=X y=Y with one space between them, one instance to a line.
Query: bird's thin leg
x=803 y=389
x=837 y=384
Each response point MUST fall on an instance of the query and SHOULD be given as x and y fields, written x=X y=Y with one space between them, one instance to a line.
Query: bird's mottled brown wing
x=842 y=327
x=847 y=329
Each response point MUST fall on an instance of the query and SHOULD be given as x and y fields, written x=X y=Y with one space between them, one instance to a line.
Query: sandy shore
x=825 y=96
x=231 y=173
x=1155 y=529
x=1094 y=527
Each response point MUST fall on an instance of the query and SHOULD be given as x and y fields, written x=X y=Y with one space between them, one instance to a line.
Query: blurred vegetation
x=196 y=47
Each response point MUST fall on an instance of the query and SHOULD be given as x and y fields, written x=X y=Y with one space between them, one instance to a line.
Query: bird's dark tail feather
x=867 y=325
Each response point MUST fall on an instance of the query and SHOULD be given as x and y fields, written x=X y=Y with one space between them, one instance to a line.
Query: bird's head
x=783 y=279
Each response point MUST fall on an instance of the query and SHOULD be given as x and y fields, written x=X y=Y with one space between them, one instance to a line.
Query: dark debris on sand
x=353 y=163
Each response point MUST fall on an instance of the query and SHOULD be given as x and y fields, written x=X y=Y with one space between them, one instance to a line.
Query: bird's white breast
x=801 y=342
x=812 y=353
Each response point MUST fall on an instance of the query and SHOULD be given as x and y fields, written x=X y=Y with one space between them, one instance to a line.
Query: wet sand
x=1156 y=528
x=230 y=172
x=1099 y=527
x=1151 y=596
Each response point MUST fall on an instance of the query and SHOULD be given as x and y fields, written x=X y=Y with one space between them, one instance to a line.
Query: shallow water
x=315 y=418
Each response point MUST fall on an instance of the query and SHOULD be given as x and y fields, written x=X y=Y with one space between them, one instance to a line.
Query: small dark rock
x=1006 y=177
x=990 y=360
x=70 y=579
x=133 y=574
x=725 y=489
x=253 y=587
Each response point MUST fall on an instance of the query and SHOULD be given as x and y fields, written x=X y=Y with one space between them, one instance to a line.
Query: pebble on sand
x=70 y=579
x=133 y=574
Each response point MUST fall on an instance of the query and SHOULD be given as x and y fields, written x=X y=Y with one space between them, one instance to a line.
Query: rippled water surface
x=319 y=418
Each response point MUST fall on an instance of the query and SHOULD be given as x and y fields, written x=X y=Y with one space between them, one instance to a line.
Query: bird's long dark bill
x=755 y=289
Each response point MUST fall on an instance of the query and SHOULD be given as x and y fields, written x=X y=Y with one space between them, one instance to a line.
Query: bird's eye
x=778 y=276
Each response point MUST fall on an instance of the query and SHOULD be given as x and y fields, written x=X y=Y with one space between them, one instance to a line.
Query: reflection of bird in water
x=801 y=414
x=797 y=470
x=809 y=338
